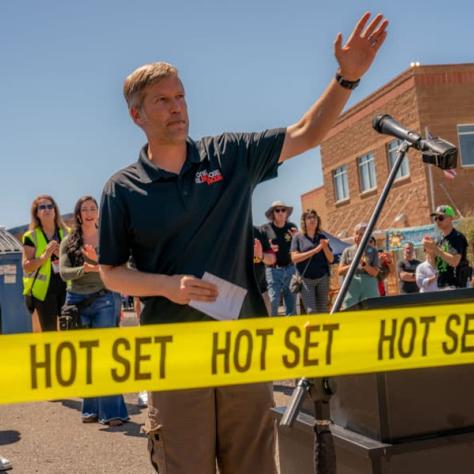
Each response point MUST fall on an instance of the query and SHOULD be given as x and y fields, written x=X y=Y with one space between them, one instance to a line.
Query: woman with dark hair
x=42 y=285
x=311 y=253
x=78 y=266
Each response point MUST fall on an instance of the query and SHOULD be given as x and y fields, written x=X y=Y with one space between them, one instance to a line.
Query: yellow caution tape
x=96 y=362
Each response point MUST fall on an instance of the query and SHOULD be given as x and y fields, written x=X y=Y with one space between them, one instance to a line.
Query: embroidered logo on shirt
x=210 y=177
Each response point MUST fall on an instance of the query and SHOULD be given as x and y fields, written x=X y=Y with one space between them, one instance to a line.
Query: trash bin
x=14 y=316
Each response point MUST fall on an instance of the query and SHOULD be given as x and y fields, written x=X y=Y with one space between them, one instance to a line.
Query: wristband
x=345 y=83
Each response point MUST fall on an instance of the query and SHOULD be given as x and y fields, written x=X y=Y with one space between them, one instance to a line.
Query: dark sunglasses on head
x=439 y=218
x=42 y=207
x=280 y=209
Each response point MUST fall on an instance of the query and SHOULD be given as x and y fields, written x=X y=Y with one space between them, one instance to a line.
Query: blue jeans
x=103 y=312
x=278 y=280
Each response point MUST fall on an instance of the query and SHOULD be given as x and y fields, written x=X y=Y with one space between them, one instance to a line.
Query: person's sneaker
x=115 y=422
x=5 y=464
x=90 y=419
x=142 y=399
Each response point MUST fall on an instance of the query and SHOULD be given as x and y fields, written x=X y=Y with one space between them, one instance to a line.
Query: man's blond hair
x=142 y=77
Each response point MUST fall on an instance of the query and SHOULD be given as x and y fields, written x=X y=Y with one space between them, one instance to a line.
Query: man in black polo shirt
x=450 y=250
x=173 y=212
x=279 y=233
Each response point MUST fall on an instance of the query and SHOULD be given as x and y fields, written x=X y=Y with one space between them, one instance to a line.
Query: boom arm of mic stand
x=304 y=384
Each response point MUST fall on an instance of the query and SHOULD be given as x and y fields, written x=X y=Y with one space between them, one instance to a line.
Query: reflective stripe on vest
x=41 y=283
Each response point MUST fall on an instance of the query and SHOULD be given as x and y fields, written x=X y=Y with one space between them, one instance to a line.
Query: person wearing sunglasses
x=450 y=251
x=42 y=284
x=279 y=232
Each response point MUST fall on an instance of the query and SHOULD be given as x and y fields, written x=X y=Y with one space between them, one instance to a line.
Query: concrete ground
x=49 y=438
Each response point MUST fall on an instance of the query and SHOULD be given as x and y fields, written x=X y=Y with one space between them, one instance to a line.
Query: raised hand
x=89 y=252
x=357 y=55
x=182 y=289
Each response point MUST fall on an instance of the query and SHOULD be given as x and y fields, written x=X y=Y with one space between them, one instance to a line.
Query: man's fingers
x=360 y=25
x=207 y=299
x=372 y=26
x=380 y=41
x=338 y=44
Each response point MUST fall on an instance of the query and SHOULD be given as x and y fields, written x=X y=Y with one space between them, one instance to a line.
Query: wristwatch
x=345 y=83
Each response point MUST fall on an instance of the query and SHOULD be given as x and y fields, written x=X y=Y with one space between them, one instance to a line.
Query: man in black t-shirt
x=184 y=209
x=450 y=250
x=279 y=232
x=407 y=269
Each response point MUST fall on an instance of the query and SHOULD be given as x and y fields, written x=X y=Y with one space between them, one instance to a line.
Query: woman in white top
x=426 y=274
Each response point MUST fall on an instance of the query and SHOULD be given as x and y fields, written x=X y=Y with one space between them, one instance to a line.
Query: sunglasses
x=43 y=207
x=280 y=209
x=439 y=218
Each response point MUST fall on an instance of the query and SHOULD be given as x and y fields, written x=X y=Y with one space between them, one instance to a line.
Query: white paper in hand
x=229 y=302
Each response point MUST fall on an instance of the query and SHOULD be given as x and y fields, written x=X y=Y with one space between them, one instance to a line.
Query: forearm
x=69 y=273
x=450 y=259
x=370 y=270
x=328 y=254
x=311 y=129
x=297 y=257
x=408 y=277
x=342 y=270
x=132 y=282
x=32 y=264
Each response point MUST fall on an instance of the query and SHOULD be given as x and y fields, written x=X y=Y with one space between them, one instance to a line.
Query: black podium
x=413 y=421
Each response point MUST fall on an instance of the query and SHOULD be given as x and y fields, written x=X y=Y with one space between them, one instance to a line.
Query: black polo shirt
x=193 y=222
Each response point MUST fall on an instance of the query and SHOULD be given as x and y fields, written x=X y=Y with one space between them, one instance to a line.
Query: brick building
x=356 y=160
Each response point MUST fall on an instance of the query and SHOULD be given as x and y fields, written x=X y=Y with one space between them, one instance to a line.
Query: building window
x=392 y=148
x=466 y=144
x=341 y=185
x=367 y=177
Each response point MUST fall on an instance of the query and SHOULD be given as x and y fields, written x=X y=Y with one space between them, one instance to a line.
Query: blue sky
x=246 y=66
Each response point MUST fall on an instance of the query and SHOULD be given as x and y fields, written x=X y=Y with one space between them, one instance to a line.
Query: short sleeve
x=295 y=244
x=344 y=256
x=114 y=244
x=28 y=242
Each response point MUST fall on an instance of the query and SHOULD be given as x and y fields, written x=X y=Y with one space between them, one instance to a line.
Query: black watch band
x=345 y=83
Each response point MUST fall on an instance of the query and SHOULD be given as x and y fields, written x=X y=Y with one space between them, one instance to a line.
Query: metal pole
x=304 y=384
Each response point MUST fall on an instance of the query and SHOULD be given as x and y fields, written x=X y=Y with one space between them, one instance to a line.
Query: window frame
x=341 y=172
x=395 y=144
x=459 y=133
x=369 y=160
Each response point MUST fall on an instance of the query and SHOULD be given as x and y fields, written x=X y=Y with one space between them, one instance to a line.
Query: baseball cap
x=444 y=210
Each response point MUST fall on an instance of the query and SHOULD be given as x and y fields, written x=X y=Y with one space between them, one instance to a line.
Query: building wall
x=441 y=96
x=446 y=99
x=316 y=199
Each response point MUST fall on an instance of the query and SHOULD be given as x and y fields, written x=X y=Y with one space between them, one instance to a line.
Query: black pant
x=49 y=310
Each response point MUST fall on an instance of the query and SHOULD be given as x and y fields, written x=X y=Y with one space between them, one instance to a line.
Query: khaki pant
x=189 y=430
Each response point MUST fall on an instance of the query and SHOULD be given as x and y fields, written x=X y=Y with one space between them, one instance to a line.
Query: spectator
x=262 y=255
x=78 y=266
x=426 y=274
x=364 y=281
x=450 y=251
x=43 y=288
x=407 y=269
x=279 y=233
x=312 y=254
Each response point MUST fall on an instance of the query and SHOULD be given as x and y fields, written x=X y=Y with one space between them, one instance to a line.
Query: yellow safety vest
x=38 y=286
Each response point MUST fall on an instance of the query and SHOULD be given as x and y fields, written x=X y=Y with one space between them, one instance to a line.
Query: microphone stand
x=320 y=389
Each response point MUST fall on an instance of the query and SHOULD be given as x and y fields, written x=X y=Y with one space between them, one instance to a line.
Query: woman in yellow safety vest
x=42 y=285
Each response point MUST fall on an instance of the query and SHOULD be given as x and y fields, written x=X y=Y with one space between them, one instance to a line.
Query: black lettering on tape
x=35 y=365
x=287 y=362
x=427 y=321
x=468 y=331
x=88 y=345
x=264 y=333
x=308 y=344
x=116 y=376
x=244 y=350
x=224 y=351
x=61 y=359
x=330 y=328
x=139 y=357
x=411 y=334
x=162 y=340
x=387 y=336
x=450 y=332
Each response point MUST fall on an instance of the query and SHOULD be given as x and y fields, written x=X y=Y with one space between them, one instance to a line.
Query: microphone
x=435 y=150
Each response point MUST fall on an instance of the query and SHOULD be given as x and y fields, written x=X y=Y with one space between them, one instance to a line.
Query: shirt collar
x=149 y=172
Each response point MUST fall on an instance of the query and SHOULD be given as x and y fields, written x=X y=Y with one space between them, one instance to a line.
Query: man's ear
x=136 y=115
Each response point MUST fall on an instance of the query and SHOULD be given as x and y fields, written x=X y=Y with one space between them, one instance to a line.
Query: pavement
x=49 y=437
